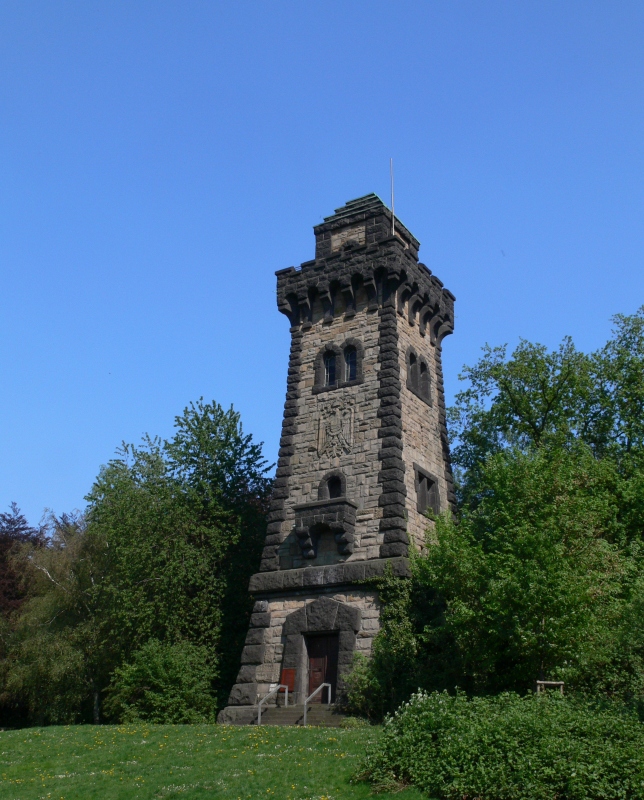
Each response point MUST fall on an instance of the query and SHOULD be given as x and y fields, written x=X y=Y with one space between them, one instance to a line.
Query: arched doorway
x=319 y=641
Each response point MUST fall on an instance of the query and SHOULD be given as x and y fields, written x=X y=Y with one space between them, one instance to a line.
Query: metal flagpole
x=391 y=175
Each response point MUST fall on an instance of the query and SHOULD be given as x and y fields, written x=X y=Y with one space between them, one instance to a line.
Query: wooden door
x=323 y=664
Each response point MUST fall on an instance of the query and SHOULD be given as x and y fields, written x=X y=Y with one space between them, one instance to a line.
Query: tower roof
x=368 y=207
x=369 y=203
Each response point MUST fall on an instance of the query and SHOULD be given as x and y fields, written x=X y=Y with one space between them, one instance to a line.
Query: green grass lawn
x=165 y=761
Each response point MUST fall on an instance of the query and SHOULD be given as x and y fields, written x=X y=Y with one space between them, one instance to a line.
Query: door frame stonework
x=323 y=615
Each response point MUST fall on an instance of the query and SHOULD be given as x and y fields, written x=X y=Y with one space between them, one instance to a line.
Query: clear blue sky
x=160 y=160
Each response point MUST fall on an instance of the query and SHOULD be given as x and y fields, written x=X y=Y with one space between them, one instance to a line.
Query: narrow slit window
x=329 y=369
x=422 y=493
x=350 y=364
x=424 y=380
x=335 y=487
x=413 y=372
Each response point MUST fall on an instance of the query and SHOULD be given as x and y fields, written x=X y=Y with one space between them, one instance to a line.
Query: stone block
x=321 y=614
x=269 y=654
x=347 y=617
x=334 y=574
x=390 y=442
x=256 y=636
x=395 y=535
x=261 y=620
x=392 y=523
x=237 y=715
x=252 y=654
x=292 y=651
x=392 y=497
x=313 y=576
x=266 y=582
x=353 y=571
x=270 y=561
x=393 y=510
x=268 y=673
x=292 y=579
x=247 y=673
x=393 y=461
x=401 y=568
x=373 y=569
x=243 y=694
x=295 y=623
x=389 y=550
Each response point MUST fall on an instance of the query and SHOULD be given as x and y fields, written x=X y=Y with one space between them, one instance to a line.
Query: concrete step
x=317 y=715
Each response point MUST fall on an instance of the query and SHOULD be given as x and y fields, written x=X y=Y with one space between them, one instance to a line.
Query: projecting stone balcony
x=325 y=524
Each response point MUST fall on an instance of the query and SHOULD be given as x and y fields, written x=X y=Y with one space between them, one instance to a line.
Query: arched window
x=332 y=486
x=329 y=369
x=424 y=380
x=350 y=364
x=413 y=377
x=338 y=366
x=418 y=376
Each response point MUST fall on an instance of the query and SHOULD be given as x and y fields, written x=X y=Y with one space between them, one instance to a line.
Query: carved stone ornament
x=335 y=431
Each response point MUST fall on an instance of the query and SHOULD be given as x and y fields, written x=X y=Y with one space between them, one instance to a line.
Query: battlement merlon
x=355 y=247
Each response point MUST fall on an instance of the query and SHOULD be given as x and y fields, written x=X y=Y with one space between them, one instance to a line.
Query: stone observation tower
x=363 y=453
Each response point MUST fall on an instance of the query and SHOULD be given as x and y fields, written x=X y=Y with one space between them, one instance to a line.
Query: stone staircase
x=318 y=715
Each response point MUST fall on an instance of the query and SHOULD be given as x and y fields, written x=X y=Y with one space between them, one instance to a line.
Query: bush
x=510 y=747
x=163 y=684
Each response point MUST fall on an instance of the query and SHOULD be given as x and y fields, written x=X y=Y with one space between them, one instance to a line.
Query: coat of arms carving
x=335 y=431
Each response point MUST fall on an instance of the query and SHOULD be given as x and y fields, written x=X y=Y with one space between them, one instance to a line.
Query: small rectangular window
x=426 y=491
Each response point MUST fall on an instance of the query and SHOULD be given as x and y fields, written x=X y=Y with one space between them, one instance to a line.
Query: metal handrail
x=269 y=695
x=311 y=696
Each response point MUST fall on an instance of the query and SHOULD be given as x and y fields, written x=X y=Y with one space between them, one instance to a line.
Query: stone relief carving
x=335 y=429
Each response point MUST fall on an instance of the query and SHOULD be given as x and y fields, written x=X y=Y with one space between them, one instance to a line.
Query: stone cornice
x=347 y=572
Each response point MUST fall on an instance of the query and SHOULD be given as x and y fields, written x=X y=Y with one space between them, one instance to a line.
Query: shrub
x=163 y=684
x=510 y=747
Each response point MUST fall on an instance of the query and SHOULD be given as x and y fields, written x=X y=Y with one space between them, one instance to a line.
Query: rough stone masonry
x=363 y=453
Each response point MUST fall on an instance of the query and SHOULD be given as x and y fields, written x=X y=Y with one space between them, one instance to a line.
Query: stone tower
x=363 y=453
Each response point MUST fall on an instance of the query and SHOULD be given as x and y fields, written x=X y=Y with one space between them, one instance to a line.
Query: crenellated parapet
x=355 y=250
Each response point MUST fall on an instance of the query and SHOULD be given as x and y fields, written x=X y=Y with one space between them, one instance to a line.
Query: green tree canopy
x=537 y=398
x=163 y=553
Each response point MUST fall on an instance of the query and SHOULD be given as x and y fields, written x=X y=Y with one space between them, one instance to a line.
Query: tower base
x=307 y=635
